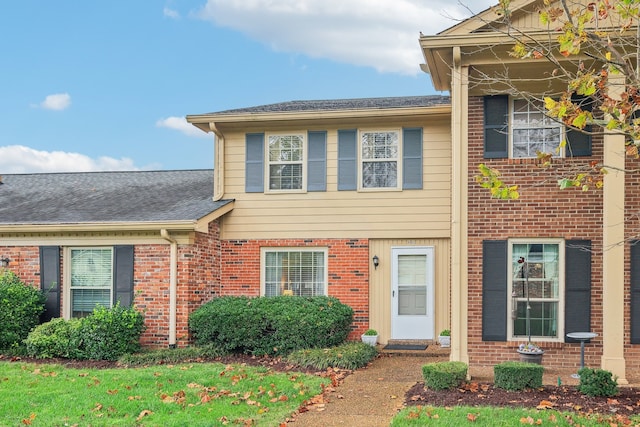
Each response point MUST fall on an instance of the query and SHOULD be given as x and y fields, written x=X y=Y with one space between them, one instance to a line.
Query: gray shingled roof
x=107 y=197
x=345 y=104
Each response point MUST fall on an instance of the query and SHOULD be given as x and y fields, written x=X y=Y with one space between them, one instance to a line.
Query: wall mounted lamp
x=4 y=262
x=376 y=262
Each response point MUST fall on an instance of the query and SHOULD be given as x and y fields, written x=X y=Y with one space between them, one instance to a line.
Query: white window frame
x=397 y=160
x=67 y=291
x=303 y=162
x=561 y=289
x=287 y=249
x=548 y=123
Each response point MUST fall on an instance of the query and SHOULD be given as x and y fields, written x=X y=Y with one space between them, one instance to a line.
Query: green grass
x=207 y=394
x=489 y=416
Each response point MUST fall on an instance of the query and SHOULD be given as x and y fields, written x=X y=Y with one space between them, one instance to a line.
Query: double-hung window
x=379 y=154
x=286 y=161
x=91 y=279
x=294 y=271
x=532 y=131
x=536 y=287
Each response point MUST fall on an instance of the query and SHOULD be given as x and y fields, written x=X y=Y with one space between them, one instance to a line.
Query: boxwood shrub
x=106 y=334
x=444 y=375
x=512 y=375
x=597 y=382
x=55 y=338
x=271 y=325
x=20 y=309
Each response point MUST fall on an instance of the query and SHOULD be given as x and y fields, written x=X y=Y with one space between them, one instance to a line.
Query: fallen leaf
x=472 y=417
x=545 y=404
x=143 y=414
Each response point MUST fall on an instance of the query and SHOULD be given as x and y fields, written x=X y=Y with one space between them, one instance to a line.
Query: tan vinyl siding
x=344 y=214
x=380 y=283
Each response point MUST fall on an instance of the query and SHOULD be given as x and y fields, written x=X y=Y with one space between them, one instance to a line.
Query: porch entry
x=412 y=299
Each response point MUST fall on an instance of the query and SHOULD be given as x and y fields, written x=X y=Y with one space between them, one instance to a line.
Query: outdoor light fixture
x=376 y=261
x=4 y=262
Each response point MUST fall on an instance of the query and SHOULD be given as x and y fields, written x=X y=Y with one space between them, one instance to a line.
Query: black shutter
x=577 y=297
x=412 y=159
x=254 y=163
x=123 y=275
x=494 y=290
x=496 y=115
x=50 y=281
x=317 y=161
x=347 y=159
x=579 y=143
x=635 y=292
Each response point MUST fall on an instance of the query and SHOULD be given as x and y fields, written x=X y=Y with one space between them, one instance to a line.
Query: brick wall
x=543 y=211
x=632 y=232
x=348 y=263
x=198 y=280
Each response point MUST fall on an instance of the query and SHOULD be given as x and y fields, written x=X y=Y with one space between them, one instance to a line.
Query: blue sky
x=105 y=85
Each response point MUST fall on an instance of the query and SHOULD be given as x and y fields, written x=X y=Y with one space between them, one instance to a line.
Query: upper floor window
x=286 y=160
x=533 y=131
x=91 y=280
x=294 y=271
x=379 y=153
x=519 y=128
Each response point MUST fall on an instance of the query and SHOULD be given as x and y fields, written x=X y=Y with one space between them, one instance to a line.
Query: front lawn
x=199 y=394
x=454 y=416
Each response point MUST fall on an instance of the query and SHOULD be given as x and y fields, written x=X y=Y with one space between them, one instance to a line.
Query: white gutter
x=173 y=286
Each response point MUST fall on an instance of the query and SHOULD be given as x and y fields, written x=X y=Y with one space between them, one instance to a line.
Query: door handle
x=393 y=294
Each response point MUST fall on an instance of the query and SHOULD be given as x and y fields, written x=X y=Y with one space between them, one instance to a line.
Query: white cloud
x=374 y=33
x=180 y=124
x=21 y=159
x=57 y=102
x=170 y=13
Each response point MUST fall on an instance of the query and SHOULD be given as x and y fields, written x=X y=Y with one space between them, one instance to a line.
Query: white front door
x=412 y=293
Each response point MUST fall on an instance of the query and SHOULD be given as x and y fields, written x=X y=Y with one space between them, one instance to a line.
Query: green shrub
x=20 y=309
x=108 y=333
x=170 y=356
x=271 y=325
x=517 y=375
x=350 y=355
x=56 y=338
x=597 y=382
x=444 y=375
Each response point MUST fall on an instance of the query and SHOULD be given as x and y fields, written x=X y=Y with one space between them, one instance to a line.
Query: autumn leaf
x=545 y=404
x=28 y=421
x=472 y=417
x=143 y=414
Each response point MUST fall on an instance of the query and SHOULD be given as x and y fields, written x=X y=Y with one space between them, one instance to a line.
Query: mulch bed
x=561 y=398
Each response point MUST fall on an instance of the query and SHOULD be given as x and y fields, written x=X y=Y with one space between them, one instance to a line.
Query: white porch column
x=613 y=252
x=459 y=212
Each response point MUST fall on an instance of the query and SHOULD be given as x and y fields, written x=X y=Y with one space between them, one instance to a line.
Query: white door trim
x=421 y=323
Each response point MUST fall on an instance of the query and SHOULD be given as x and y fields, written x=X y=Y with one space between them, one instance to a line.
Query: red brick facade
x=203 y=273
x=543 y=211
x=348 y=264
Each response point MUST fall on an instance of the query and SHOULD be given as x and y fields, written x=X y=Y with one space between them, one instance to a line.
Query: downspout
x=218 y=162
x=173 y=286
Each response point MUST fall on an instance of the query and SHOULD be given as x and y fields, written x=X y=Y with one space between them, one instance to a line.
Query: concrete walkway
x=372 y=396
